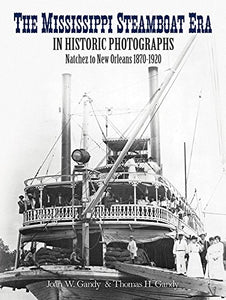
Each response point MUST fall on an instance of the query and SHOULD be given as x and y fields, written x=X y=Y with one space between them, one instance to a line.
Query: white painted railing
x=51 y=214
x=119 y=212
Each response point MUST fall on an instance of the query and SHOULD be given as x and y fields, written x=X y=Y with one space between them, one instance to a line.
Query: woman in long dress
x=214 y=257
x=194 y=262
x=208 y=256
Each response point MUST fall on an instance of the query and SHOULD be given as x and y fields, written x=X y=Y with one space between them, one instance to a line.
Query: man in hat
x=132 y=247
x=180 y=249
x=21 y=204
x=205 y=245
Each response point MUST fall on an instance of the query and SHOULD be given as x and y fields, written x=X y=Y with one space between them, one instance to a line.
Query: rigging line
x=140 y=82
x=132 y=124
x=97 y=144
x=193 y=197
x=102 y=132
x=102 y=160
x=155 y=110
x=50 y=162
x=141 y=111
x=214 y=190
x=91 y=182
x=194 y=134
x=163 y=98
x=215 y=82
x=125 y=111
x=197 y=204
x=96 y=243
x=51 y=149
x=214 y=213
x=116 y=90
x=94 y=148
x=116 y=129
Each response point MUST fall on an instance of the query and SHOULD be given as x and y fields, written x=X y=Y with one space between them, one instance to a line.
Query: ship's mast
x=154 y=125
x=66 y=128
x=185 y=173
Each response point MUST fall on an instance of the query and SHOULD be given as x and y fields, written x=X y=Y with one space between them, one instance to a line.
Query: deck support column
x=167 y=204
x=40 y=196
x=18 y=251
x=25 y=202
x=156 y=194
x=85 y=242
x=135 y=198
x=135 y=192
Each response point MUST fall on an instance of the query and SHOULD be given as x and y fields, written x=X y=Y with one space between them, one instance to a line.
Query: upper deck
x=147 y=199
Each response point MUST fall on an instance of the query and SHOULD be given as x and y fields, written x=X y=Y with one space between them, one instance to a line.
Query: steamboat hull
x=72 y=283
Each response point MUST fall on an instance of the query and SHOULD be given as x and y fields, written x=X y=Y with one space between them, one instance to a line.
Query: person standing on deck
x=21 y=204
x=194 y=262
x=205 y=245
x=208 y=256
x=180 y=249
x=131 y=164
x=215 y=265
x=132 y=247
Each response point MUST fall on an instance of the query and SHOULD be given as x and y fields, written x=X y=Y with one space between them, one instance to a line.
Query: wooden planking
x=205 y=286
x=36 y=280
x=24 y=275
x=42 y=292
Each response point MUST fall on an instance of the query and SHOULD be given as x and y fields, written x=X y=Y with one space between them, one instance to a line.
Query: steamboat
x=77 y=224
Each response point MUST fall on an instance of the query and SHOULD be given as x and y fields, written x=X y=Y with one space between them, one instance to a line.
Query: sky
x=31 y=94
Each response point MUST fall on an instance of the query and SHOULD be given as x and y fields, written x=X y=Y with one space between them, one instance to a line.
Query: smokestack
x=154 y=126
x=66 y=127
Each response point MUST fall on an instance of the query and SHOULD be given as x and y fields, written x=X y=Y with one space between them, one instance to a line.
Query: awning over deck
x=118 y=144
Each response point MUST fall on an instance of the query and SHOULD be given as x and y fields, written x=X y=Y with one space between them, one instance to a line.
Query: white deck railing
x=119 y=212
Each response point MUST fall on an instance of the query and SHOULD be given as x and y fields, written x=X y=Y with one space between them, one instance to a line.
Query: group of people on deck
x=199 y=257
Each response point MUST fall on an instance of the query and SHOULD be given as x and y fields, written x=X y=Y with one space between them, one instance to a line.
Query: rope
x=50 y=162
x=51 y=149
x=121 y=135
x=194 y=134
x=193 y=197
x=214 y=190
x=103 y=134
x=97 y=144
x=215 y=83
x=132 y=124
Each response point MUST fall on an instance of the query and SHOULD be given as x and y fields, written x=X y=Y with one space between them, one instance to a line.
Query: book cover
x=138 y=87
